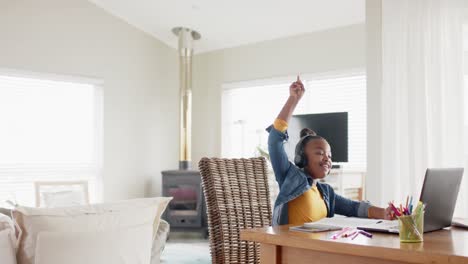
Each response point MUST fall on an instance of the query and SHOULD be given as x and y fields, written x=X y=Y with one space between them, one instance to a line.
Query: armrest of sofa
x=160 y=241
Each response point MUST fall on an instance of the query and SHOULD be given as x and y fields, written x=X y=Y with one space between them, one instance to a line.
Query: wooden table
x=279 y=245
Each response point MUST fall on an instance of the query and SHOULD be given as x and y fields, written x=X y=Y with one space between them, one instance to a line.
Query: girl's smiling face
x=319 y=158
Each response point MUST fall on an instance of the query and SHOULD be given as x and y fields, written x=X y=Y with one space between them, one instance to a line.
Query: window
x=249 y=108
x=49 y=131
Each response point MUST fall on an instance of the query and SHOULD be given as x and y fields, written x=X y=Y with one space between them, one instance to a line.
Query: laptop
x=439 y=193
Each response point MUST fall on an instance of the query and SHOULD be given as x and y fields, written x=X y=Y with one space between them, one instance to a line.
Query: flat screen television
x=331 y=126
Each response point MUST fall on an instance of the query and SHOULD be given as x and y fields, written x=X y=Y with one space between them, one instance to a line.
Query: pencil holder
x=411 y=228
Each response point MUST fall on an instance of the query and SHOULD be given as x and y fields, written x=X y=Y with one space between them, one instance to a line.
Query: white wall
x=466 y=62
x=374 y=99
x=74 y=37
x=336 y=49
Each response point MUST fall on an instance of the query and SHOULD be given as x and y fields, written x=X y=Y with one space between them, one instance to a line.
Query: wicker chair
x=237 y=197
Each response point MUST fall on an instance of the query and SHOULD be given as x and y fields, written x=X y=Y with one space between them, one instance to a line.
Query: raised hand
x=296 y=89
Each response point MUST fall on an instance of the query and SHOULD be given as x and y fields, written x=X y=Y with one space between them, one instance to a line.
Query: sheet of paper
x=352 y=222
x=460 y=222
x=314 y=229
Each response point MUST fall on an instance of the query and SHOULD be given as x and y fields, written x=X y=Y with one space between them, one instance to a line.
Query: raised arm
x=278 y=156
x=296 y=91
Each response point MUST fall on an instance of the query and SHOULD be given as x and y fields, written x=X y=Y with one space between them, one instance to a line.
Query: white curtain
x=422 y=113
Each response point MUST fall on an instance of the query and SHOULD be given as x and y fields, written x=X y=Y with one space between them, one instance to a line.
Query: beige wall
x=336 y=49
x=139 y=73
x=74 y=37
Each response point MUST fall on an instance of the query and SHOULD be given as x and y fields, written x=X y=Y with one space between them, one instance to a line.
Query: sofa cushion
x=131 y=245
x=89 y=218
x=7 y=250
x=6 y=223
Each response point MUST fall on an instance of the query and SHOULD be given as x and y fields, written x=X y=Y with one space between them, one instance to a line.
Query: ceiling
x=225 y=24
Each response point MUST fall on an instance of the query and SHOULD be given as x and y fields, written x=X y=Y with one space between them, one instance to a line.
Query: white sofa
x=157 y=247
x=160 y=241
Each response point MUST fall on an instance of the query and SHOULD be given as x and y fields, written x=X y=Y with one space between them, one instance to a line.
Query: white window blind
x=49 y=131
x=248 y=110
x=343 y=94
x=246 y=113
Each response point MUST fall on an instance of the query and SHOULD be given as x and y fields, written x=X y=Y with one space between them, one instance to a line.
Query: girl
x=302 y=198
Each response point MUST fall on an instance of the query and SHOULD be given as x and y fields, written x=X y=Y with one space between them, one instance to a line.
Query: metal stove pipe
x=186 y=37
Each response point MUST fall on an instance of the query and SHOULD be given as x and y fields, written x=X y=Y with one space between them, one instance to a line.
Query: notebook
x=337 y=223
x=314 y=229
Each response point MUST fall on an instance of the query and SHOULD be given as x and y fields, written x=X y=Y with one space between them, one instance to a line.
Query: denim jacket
x=294 y=181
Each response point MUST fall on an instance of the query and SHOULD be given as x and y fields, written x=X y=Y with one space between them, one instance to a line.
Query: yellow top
x=309 y=207
x=280 y=125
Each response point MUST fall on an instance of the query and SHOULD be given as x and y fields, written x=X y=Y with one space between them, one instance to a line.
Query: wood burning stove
x=187 y=210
